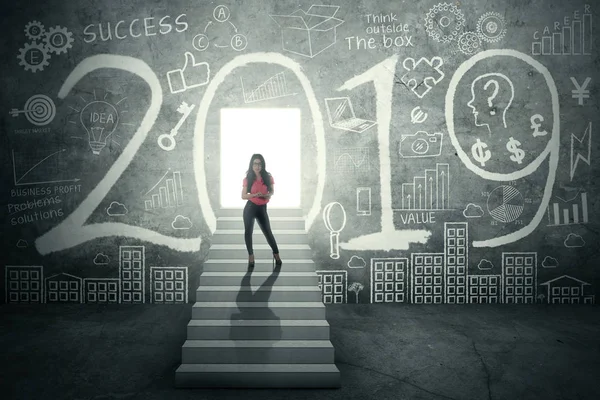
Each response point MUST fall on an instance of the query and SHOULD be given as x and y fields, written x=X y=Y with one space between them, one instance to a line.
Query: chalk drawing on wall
x=166 y=141
x=505 y=203
x=536 y=121
x=519 y=272
x=356 y=262
x=382 y=76
x=334 y=231
x=39 y=110
x=36 y=165
x=116 y=209
x=34 y=56
x=101 y=290
x=583 y=145
x=574 y=240
x=485 y=289
x=64 y=288
x=581 y=91
x=341 y=115
x=469 y=43
x=549 y=262
x=351 y=160
x=221 y=14
x=568 y=290
x=421 y=144
x=389 y=280
x=491 y=27
x=132 y=267
x=298 y=29
x=484 y=101
x=473 y=210
x=428 y=191
x=22 y=244
x=23 y=284
x=100 y=119
x=570 y=211
x=192 y=75
x=363 y=201
x=181 y=222
x=273 y=88
x=168 y=285
x=101 y=259
x=418 y=116
x=573 y=38
x=427 y=278
x=170 y=194
x=356 y=287
x=485 y=264
x=551 y=150
x=333 y=285
x=456 y=261
x=444 y=22
x=422 y=75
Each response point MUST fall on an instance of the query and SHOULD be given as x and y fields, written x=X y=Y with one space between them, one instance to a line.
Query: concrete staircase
x=261 y=328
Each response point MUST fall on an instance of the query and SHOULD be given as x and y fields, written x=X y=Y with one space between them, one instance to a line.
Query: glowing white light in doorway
x=272 y=132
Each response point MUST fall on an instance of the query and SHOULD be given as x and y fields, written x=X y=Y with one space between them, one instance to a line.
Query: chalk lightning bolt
x=587 y=136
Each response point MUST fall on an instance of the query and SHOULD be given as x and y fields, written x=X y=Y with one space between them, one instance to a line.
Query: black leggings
x=252 y=211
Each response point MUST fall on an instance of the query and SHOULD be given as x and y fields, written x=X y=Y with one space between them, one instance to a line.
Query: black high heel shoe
x=250 y=264
x=277 y=263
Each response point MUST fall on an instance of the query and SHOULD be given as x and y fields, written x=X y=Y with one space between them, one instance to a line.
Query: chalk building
x=485 y=288
x=567 y=290
x=519 y=274
x=427 y=281
x=389 y=280
x=23 y=284
x=456 y=256
x=64 y=288
x=101 y=290
x=333 y=285
x=132 y=267
x=168 y=285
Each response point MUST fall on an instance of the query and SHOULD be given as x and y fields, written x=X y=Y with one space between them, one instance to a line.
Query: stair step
x=275 y=222
x=252 y=278
x=258 y=310
x=260 y=265
x=257 y=352
x=273 y=212
x=219 y=251
x=306 y=376
x=258 y=329
x=257 y=293
x=282 y=236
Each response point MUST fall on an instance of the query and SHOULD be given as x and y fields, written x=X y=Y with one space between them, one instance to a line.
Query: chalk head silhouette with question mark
x=491 y=97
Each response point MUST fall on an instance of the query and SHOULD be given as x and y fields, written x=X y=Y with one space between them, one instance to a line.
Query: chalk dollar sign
x=480 y=154
x=517 y=154
x=536 y=126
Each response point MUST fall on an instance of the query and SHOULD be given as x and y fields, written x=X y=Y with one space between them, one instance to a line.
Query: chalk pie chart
x=505 y=203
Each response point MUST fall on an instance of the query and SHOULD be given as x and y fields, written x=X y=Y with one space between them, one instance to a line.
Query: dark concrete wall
x=472 y=182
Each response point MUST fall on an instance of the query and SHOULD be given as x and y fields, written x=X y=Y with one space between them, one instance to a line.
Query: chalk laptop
x=341 y=115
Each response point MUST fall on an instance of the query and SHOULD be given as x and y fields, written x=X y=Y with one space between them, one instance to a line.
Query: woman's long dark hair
x=251 y=176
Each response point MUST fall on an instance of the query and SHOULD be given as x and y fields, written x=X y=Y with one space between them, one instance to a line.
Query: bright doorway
x=272 y=132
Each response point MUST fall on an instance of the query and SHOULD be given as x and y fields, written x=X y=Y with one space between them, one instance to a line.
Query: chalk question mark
x=494 y=94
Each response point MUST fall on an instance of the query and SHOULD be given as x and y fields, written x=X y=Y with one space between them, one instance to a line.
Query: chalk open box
x=309 y=33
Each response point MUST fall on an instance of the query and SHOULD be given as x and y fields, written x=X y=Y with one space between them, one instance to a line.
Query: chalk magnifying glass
x=334 y=234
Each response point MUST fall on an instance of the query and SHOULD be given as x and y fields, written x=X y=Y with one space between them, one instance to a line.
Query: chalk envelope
x=309 y=33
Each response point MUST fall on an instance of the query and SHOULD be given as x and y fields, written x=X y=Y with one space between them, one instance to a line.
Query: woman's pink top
x=258 y=186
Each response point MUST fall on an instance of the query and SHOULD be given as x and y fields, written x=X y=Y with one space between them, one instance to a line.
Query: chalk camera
x=421 y=144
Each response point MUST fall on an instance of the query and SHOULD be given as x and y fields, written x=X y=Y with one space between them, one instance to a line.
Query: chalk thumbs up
x=191 y=75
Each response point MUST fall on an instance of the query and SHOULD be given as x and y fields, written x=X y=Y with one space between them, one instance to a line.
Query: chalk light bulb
x=100 y=119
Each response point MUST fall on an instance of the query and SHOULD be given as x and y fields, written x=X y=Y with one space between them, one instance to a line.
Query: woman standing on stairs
x=258 y=187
